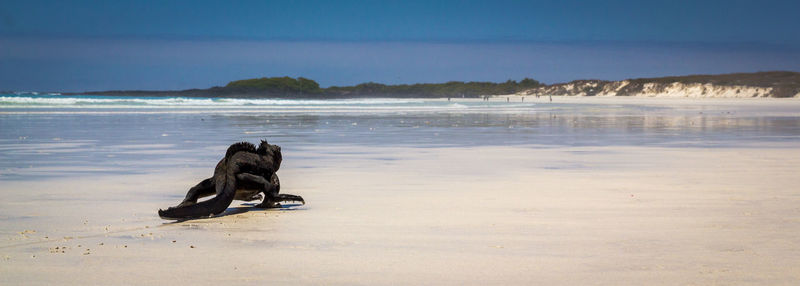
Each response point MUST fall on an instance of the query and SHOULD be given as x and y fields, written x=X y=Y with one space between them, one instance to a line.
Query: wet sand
x=510 y=215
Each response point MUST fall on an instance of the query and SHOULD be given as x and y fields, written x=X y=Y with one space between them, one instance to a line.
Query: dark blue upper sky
x=87 y=45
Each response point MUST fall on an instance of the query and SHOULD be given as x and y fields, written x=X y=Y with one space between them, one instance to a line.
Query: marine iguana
x=240 y=175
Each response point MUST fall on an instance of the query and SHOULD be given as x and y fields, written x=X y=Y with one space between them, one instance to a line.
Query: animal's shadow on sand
x=242 y=208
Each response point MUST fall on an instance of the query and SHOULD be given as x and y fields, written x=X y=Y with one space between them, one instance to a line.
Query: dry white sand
x=433 y=216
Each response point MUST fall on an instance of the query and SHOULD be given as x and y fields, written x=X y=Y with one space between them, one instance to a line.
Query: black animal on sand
x=242 y=175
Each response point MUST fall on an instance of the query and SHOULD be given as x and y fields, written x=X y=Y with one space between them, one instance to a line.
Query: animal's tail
x=210 y=207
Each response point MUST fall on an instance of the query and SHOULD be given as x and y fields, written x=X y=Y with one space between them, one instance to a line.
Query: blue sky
x=97 y=45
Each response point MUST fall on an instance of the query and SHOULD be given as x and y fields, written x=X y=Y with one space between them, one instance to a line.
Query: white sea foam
x=79 y=104
x=30 y=100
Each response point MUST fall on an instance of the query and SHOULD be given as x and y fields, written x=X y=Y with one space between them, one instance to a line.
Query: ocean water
x=46 y=135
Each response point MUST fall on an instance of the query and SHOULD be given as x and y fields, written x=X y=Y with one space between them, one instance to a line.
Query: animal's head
x=272 y=152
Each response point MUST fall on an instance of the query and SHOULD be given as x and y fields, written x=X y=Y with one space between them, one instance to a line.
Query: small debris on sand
x=58 y=249
x=191 y=246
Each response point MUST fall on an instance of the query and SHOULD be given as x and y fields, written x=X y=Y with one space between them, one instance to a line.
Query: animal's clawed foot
x=271 y=203
x=290 y=198
x=164 y=214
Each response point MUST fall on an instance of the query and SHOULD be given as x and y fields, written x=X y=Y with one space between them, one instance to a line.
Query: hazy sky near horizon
x=99 y=45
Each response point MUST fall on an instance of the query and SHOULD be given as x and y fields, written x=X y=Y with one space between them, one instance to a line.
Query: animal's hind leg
x=203 y=189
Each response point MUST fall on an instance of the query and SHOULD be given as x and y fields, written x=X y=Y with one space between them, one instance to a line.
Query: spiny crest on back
x=262 y=148
x=241 y=146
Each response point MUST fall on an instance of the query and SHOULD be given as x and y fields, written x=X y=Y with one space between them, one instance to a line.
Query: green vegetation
x=278 y=86
x=286 y=85
x=448 y=89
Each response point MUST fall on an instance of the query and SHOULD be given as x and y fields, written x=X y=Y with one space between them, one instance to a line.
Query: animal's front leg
x=276 y=197
x=272 y=201
x=276 y=185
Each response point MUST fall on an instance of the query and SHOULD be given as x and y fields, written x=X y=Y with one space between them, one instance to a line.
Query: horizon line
x=502 y=40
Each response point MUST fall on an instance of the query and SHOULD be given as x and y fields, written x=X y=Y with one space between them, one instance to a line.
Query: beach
x=587 y=191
